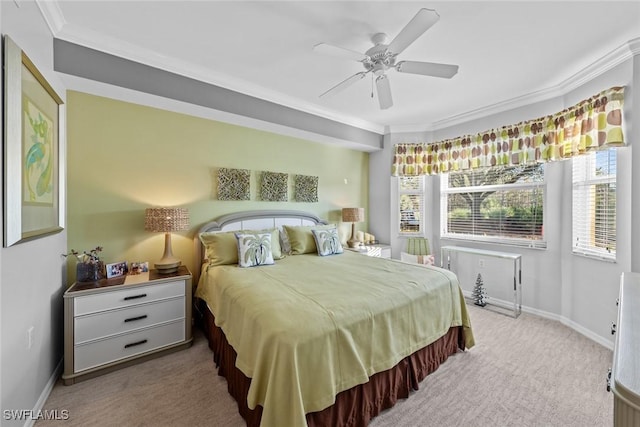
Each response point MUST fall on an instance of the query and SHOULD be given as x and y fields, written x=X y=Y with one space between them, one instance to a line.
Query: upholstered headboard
x=252 y=220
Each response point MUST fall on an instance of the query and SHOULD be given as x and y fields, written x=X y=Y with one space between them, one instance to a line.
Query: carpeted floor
x=522 y=372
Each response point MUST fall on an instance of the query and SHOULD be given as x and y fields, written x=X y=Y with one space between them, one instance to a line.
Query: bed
x=313 y=340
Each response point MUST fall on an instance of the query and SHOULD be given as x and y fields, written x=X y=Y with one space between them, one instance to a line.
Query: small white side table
x=517 y=268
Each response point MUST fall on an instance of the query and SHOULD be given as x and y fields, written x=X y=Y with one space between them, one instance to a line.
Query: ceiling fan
x=382 y=57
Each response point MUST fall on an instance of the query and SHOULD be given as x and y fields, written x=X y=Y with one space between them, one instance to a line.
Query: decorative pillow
x=222 y=248
x=254 y=249
x=301 y=239
x=276 y=248
x=327 y=241
x=284 y=243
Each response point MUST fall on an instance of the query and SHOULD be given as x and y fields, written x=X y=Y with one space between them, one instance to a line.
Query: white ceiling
x=506 y=50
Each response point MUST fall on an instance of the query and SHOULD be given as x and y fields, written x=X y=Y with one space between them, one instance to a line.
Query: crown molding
x=134 y=53
x=601 y=66
x=52 y=14
x=60 y=29
x=590 y=72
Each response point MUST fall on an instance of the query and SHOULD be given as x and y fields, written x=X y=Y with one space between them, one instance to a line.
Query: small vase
x=87 y=272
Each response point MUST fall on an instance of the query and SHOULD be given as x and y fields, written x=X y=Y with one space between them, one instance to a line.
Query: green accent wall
x=124 y=157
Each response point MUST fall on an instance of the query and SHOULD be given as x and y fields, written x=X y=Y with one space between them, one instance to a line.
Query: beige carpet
x=522 y=372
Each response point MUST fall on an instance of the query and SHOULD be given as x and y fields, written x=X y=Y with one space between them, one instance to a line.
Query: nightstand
x=117 y=322
x=377 y=250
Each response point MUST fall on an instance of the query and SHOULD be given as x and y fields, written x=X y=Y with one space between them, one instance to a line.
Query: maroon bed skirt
x=354 y=407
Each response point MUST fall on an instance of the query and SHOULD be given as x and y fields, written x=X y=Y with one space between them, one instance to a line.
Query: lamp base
x=168 y=264
x=168 y=267
x=353 y=243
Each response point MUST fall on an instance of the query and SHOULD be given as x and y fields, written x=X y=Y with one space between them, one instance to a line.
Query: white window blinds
x=594 y=204
x=500 y=204
x=411 y=204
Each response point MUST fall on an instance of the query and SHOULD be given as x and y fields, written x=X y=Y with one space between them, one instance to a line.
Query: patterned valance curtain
x=592 y=124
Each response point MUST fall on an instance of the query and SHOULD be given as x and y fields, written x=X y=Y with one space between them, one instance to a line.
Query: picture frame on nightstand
x=116 y=269
x=139 y=267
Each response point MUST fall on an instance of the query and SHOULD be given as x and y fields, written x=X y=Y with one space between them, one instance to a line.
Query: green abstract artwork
x=38 y=155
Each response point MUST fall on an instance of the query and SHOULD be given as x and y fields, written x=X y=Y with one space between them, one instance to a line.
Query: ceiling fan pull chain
x=371 y=86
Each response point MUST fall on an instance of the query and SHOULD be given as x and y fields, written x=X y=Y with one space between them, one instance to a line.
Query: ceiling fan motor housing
x=380 y=59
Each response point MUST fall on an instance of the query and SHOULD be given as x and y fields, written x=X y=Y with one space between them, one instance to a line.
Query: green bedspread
x=310 y=327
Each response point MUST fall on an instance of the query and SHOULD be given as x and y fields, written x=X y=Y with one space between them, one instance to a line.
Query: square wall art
x=306 y=188
x=274 y=186
x=234 y=184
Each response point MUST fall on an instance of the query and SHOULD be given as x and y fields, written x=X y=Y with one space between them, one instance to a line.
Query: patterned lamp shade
x=166 y=219
x=353 y=214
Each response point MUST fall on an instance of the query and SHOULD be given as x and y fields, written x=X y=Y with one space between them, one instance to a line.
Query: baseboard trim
x=508 y=305
x=46 y=392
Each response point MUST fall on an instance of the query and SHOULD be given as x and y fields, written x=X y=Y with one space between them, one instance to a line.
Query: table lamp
x=353 y=215
x=166 y=220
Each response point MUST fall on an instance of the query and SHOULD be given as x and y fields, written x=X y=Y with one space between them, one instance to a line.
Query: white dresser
x=624 y=379
x=117 y=322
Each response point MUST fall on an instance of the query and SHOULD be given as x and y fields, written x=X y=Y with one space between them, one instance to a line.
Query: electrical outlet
x=29 y=338
x=481 y=263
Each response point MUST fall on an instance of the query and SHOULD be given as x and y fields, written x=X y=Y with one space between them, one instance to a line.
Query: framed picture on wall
x=31 y=150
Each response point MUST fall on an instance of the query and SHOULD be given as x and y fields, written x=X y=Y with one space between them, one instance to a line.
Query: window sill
x=595 y=257
x=540 y=244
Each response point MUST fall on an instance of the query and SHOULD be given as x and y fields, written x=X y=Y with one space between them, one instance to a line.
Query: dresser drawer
x=109 y=350
x=127 y=297
x=103 y=324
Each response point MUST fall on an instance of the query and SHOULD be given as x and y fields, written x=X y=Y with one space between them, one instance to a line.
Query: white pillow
x=327 y=241
x=254 y=249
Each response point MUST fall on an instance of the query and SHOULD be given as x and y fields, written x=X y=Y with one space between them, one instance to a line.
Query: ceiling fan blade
x=424 y=19
x=427 y=69
x=345 y=83
x=340 y=52
x=384 y=92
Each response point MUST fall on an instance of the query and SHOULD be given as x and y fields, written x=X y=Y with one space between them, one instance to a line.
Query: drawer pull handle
x=133 y=344
x=609 y=380
x=135 y=297
x=613 y=328
x=133 y=319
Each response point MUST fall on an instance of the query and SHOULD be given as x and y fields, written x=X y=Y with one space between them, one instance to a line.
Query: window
x=594 y=204
x=411 y=194
x=499 y=204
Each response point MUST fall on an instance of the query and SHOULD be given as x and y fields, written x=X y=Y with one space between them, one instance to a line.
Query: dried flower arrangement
x=85 y=257
x=89 y=267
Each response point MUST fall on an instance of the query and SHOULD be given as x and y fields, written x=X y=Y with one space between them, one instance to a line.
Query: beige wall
x=123 y=158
